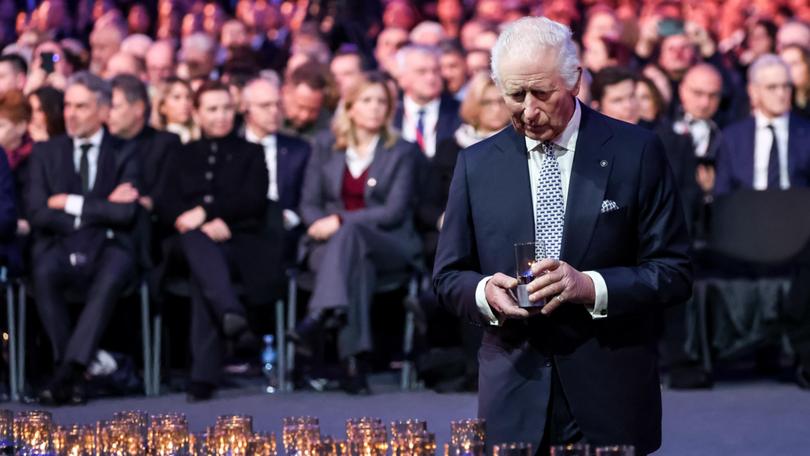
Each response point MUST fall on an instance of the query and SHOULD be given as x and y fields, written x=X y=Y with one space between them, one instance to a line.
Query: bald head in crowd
x=262 y=104
x=793 y=33
x=160 y=62
x=105 y=41
x=419 y=73
x=700 y=91
x=124 y=63
x=427 y=33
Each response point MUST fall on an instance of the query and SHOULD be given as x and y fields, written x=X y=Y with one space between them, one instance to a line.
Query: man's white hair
x=528 y=36
x=402 y=54
x=429 y=28
x=199 y=41
x=765 y=61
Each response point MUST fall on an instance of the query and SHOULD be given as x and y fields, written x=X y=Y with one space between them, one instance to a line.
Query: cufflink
x=372 y=182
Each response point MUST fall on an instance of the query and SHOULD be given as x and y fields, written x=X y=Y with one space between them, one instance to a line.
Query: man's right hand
x=124 y=193
x=501 y=302
x=190 y=220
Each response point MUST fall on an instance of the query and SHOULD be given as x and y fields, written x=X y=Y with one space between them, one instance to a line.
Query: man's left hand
x=57 y=202
x=559 y=283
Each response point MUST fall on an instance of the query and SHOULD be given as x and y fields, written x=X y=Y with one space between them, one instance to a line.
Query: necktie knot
x=547 y=148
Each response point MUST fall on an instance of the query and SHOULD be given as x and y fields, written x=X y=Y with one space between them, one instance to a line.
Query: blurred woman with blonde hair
x=173 y=107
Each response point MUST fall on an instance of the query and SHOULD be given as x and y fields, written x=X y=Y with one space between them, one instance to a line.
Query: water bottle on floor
x=270 y=363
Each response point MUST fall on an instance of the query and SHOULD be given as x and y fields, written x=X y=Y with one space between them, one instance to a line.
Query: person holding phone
x=48 y=67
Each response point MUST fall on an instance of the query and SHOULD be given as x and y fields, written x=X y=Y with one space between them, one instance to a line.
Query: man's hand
x=57 y=202
x=705 y=177
x=559 y=283
x=147 y=203
x=190 y=220
x=23 y=227
x=125 y=193
x=323 y=229
x=500 y=300
x=217 y=230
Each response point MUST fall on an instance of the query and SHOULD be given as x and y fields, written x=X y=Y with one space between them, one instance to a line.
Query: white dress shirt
x=565 y=147
x=429 y=122
x=701 y=133
x=75 y=203
x=270 y=145
x=762 y=149
x=358 y=163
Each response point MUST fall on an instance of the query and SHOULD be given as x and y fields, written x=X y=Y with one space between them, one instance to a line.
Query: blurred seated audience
x=13 y=73
x=770 y=149
x=49 y=67
x=389 y=41
x=47 y=121
x=124 y=63
x=214 y=195
x=286 y=159
x=159 y=62
x=357 y=204
x=81 y=202
x=347 y=68
x=173 y=110
x=427 y=33
x=651 y=105
x=453 y=67
x=8 y=209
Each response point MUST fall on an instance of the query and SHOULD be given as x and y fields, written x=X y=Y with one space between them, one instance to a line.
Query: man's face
x=799 y=70
x=771 y=91
x=84 y=115
x=159 y=64
x=619 y=101
x=388 y=43
x=200 y=63
x=11 y=133
x=263 y=108
x=347 y=70
x=454 y=71
x=234 y=34
x=10 y=79
x=302 y=105
x=121 y=63
x=700 y=94
x=477 y=62
x=104 y=43
x=677 y=54
x=126 y=119
x=421 y=78
x=536 y=94
x=216 y=113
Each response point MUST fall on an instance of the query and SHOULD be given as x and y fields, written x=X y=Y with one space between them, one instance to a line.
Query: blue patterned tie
x=550 y=212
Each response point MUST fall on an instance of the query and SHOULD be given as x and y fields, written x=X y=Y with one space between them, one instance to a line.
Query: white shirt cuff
x=600 y=309
x=74 y=205
x=291 y=219
x=483 y=305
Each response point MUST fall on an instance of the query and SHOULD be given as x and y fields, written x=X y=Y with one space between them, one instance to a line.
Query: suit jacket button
x=208 y=199
x=212 y=159
x=548 y=363
x=209 y=175
x=372 y=182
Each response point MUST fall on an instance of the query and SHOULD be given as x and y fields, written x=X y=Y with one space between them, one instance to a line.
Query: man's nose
x=531 y=106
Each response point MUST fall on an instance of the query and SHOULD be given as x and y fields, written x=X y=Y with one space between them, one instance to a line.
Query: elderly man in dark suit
x=286 y=159
x=598 y=194
x=770 y=149
x=82 y=200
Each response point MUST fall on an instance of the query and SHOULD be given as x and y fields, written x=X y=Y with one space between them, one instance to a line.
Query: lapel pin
x=372 y=182
x=603 y=163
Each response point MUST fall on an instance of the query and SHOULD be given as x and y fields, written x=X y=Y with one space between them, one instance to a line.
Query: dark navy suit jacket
x=607 y=367
x=448 y=122
x=292 y=155
x=735 y=159
x=8 y=211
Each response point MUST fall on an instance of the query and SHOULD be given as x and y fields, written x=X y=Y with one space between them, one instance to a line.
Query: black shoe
x=304 y=335
x=234 y=325
x=803 y=377
x=200 y=391
x=78 y=392
x=356 y=380
x=58 y=390
x=689 y=376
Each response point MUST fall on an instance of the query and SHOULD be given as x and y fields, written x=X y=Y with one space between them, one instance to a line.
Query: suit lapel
x=105 y=168
x=335 y=168
x=750 y=149
x=513 y=186
x=586 y=188
x=795 y=140
x=68 y=168
x=282 y=155
x=376 y=168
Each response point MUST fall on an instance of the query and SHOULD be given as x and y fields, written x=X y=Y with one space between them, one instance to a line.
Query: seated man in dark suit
x=8 y=212
x=215 y=194
x=285 y=156
x=82 y=199
x=128 y=120
x=771 y=149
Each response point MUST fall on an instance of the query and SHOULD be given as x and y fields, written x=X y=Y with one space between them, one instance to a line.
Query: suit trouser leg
x=561 y=427
x=210 y=271
x=206 y=340
x=346 y=274
x=114 y=269
x=51 y=276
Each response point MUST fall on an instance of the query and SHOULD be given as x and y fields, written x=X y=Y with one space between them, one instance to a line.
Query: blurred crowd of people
x=222 y=143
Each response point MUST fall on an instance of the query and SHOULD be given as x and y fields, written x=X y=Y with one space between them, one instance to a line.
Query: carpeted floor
x=756 y=418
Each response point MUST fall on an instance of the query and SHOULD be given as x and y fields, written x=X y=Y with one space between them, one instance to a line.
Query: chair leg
x=281 y=344
x=21 y=345
x=406 y=379
x=12 y=342
x=146 y=338
x=157 y=327
x=292 y=296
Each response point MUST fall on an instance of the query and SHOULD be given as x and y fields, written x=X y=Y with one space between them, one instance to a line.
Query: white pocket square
x=609 y=206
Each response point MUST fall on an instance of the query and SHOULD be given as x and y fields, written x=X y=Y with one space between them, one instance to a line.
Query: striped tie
x=420 y=130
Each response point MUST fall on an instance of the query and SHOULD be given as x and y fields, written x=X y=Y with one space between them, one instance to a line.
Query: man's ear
x=575 y=90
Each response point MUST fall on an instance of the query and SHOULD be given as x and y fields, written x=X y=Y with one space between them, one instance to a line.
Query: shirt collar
x=411 y=107
x=267 y=141
x=780 y=122
x=567 y=140
x=94 y=139
x=351 y=151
